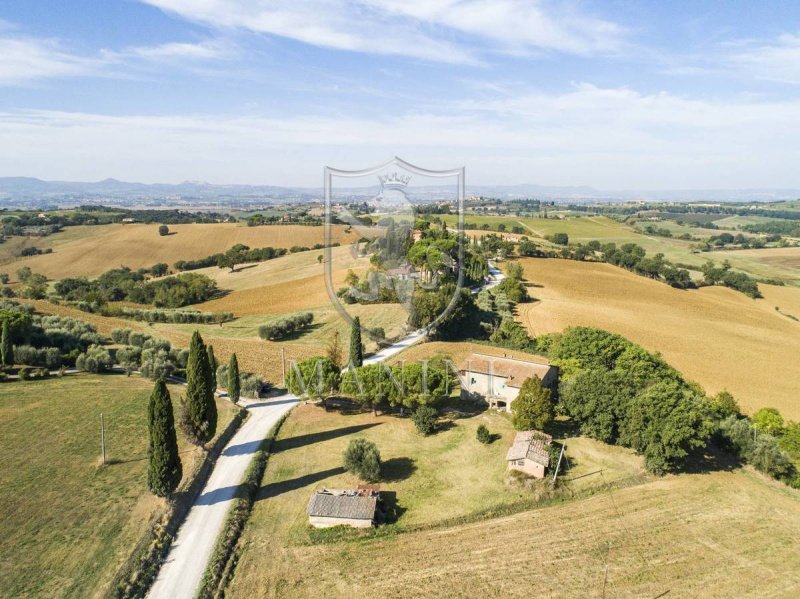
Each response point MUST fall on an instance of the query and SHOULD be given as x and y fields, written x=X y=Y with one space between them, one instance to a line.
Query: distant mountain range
x=30 y=190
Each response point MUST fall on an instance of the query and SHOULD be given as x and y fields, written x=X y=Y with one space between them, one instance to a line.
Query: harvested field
x=719 y=534
x=458 y=351
x=90 y=251
x=715 y=336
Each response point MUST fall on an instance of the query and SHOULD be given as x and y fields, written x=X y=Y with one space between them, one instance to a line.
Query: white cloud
x=776 y=61
x=433 y=30
x=205 y=50
x=606 y=137
x=29 y=59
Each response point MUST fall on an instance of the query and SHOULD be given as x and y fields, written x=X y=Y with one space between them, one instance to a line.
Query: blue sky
x=616 y=94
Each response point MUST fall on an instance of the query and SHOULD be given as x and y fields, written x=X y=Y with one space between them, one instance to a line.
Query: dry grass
x=458 y=352
x=447 y=475
x=715 y=336
x=90 y=251
x=722 y=534
x=716 y=534
x=68 y=522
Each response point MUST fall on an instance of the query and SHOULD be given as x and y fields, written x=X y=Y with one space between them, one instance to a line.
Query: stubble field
x=715 y=336
x=90 y=251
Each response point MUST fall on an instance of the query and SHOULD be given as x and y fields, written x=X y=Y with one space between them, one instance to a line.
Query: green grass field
x=438 y=478
x=68 y=522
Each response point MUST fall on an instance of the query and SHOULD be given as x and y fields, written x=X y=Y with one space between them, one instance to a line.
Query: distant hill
x=24 y=190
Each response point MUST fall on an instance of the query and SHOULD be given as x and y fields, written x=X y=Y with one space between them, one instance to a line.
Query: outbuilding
x=348 y=507
x=530 y=453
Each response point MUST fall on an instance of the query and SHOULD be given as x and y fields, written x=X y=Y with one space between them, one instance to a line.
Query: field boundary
x=223 y=560
x=134 y=577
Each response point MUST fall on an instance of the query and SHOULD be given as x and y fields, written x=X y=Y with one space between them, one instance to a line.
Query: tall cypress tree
x=198 y=419
x=356 y=350
x=212 y=364
x=164 y=472
x=234 y=385
x=211 y=385
x=6 y=348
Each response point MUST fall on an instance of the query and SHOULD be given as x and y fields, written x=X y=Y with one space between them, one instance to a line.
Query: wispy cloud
x=449 y=31
x=774 y=61
x=28 y=59
x=178 y=51
x=606 y=137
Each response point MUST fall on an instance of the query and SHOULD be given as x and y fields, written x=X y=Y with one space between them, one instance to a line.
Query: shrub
x=284 y=327
x=163 y=230
x=363 y=459
x=120 y=336
x=483 y=435
x=424 y=418
x=95 y=359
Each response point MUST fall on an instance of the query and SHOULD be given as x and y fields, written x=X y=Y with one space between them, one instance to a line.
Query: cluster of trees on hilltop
x=125 y=284
x=620 y=393
x=776 y=227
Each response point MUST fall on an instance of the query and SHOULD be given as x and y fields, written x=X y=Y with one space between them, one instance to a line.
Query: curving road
x=181 y=573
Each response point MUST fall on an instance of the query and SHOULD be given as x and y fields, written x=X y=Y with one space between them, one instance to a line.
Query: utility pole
x=283 y=365
x=103 y=439
x=560 y=455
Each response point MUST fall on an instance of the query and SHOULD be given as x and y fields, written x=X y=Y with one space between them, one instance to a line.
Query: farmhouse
x=498 y=380
x=530 y=453
x=336 y=507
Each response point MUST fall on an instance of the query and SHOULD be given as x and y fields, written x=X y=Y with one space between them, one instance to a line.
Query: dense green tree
x=198 y=414
x=597 y=399
x=163 y=230
x=768 y=420
x=723 y=405
x=233 y=385
x=533 y=408
x=363 y=459
x=665 y=423
x=356 y=347
x=314 y=377
x=164 y=471
x=6 y=348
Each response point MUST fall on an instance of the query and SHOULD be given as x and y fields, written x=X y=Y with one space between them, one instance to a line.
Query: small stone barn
x=530 y=453
x=336 y=507
x=497 y=379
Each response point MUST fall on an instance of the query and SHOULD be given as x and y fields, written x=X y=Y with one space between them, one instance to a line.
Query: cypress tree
x=234 y=385
x=211 y=404
x=164 y=471
x=356 y=350
x=198 y=419
x=212 y=364
x=6 y=348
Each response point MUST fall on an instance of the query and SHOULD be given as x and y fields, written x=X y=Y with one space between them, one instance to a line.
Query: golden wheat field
x=679 y=536
x=715 y=336
x=90 y=251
